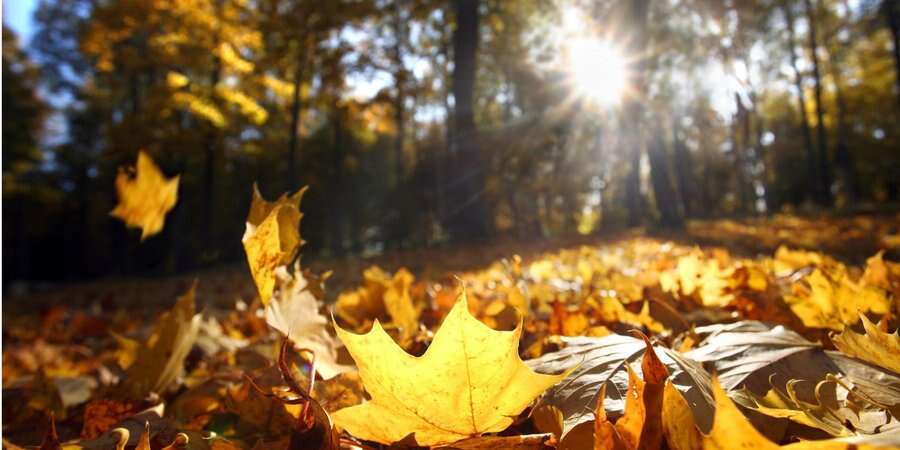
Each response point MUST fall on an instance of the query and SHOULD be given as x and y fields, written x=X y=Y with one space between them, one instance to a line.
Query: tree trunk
x=212 y=152
x=469 y=218
x=295 y=123
x=892 y=13
x=824 y=169
x=637 y=14
x=801 y=101
x=663 y=190
x=683 y=168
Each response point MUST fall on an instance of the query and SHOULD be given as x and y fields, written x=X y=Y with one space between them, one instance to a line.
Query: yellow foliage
x=199 y=107
x=381 y=294
x=232 y=59
x=470 y=381
x=248 y=106
x=875 y=346
x=833 y=299
x=271 y=238
x=145 y=198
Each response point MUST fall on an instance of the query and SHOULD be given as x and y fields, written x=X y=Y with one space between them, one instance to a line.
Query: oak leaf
x=146 y=197
x=271 y=238
x=470 y=381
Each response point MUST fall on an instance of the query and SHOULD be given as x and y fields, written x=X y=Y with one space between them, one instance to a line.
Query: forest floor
x=850 y=239
x=101 y=358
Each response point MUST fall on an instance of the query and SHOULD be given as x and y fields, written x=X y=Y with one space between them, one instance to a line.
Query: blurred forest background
x=433 y=122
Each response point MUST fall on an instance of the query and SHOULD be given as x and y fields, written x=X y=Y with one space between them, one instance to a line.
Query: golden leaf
x=834 y=299
x=640 y=427
x=470 y=381
x=146 y=198
x=272 y=237
x=875 y=346
x=381 y=294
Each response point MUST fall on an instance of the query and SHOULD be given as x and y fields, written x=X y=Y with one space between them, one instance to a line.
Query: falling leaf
x=470 y=381
x=875 y=346
x=271 y=238
x=160 y=359
x=294 y=311
x=146 y=197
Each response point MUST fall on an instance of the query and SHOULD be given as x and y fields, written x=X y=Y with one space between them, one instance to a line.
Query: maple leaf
x=875 y=346
x=381 y=293
x=470 y=381
x=833 y=299
x=695 y=275
x=146 y=197
x=271 y=238
x=294 y=311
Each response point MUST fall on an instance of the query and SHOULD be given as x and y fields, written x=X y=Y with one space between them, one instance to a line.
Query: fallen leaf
x=596 y=362
x=875 y=346
x=835 y=410
x=160 y=359
x=470 y=381
x=294 y=311
x=640 y=426
x=760 y=356
x=833 y=299
x=382 y=296
x=146 y=197
x=271 y=238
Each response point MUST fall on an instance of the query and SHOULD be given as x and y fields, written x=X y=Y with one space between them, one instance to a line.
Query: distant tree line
x=433 y=121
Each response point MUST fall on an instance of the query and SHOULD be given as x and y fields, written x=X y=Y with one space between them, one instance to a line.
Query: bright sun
x=598 y=70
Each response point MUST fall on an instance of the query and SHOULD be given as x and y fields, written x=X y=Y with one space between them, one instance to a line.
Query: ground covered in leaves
x=743 y=341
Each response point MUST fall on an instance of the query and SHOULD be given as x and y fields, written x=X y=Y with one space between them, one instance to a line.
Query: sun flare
x=598 y=70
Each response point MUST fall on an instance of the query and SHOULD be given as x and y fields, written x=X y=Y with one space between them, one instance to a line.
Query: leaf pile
x=632 y=344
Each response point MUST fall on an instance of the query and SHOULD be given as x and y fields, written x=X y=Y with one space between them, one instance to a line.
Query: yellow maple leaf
x=875 y=346
x=833 y=299
x=381 y=294
x=272 y=237
x=470 y=381
x=696 y=274
x=146 y=197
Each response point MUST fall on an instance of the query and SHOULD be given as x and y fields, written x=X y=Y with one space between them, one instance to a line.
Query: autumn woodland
x=451 y=224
